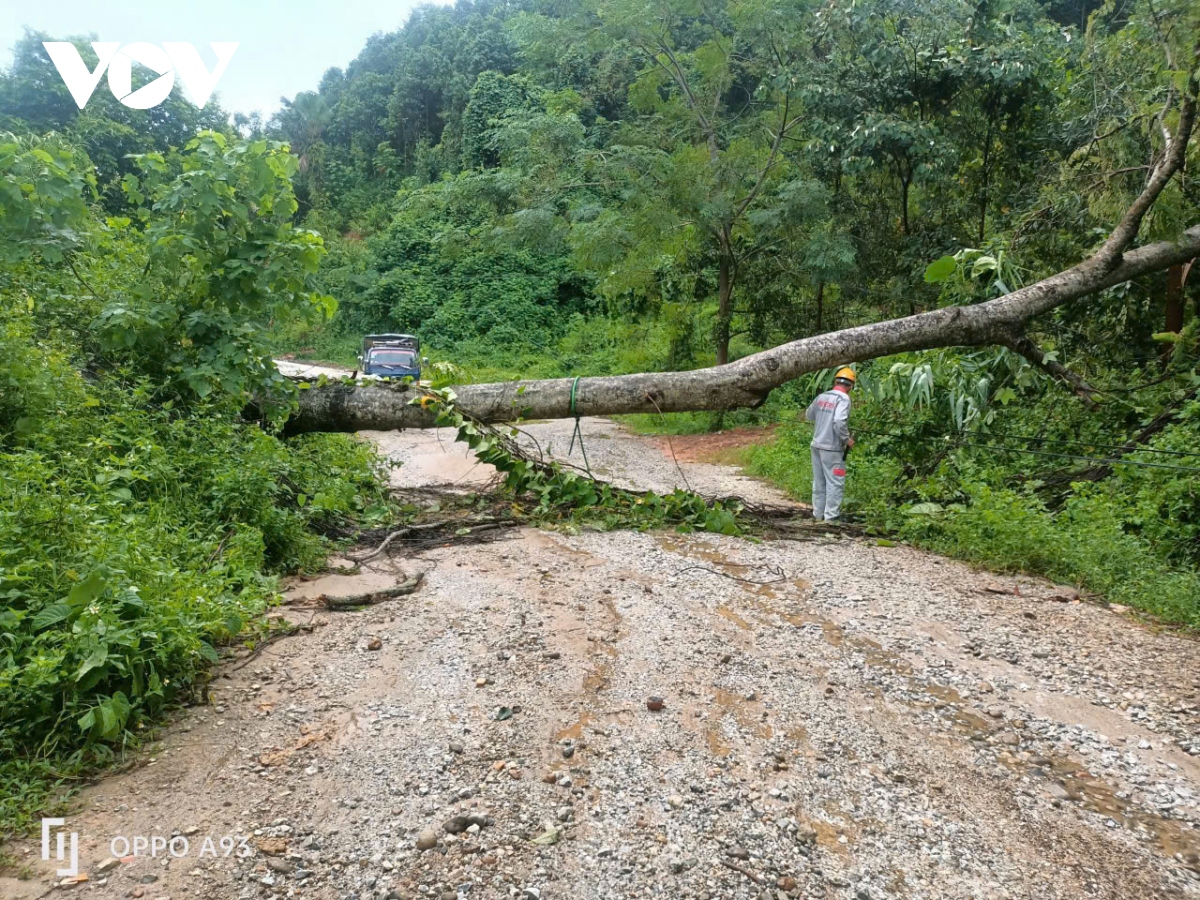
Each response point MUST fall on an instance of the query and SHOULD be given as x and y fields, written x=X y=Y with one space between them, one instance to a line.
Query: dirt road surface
x=875 y=722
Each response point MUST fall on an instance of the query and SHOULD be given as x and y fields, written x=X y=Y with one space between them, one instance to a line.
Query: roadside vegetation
x=143 y=523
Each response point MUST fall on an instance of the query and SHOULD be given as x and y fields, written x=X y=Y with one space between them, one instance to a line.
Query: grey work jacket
x=830 y=415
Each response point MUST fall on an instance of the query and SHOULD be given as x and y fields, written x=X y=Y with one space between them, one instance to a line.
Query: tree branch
x=1174 y=154
x=1020 y=343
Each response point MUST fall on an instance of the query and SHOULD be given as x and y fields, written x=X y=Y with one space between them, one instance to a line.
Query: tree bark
x=1174 y=307
x=747 y=382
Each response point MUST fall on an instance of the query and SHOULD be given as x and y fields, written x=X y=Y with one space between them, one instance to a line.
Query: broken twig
x=730 y=864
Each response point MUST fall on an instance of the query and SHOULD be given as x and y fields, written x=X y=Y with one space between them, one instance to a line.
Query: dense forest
x=557 y=187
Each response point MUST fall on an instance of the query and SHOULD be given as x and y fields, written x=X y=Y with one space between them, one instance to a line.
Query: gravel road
x=875 y=722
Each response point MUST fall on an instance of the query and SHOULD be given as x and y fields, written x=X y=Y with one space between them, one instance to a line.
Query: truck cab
x=391 y=356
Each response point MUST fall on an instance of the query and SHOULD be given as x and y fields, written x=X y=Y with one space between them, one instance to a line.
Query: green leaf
x=52 y=615
x=88 y=590
x=982 y=264
x=96 y=658
x=941 y=269
x=924 y=509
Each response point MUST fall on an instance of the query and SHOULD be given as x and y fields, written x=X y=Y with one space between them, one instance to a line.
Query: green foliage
x=44 y=190
x=561 y=494
x=224 y=262
x=133 y=542
x=142 y=523
x=34 y=99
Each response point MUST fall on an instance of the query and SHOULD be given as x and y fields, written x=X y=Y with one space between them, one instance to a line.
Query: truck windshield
x=393 y=358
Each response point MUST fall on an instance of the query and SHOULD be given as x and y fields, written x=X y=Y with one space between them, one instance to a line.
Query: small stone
x=375 y=644
x=106 y=864
x=480 y=682
x=427 y=840
x=456 y=825
x=738 y=853
x=456 y=747
x=675 y=801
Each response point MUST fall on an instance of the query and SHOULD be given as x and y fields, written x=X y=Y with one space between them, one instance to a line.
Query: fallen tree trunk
x=747 y=382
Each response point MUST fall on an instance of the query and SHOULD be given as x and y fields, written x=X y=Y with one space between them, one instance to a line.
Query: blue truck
x=391 y=356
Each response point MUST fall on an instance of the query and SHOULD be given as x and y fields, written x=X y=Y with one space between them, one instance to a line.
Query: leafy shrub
x=1130 y=537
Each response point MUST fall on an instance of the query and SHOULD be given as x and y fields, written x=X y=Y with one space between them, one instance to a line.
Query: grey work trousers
x=829 y=480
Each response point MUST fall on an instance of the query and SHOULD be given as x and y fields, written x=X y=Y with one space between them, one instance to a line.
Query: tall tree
x=712 y=107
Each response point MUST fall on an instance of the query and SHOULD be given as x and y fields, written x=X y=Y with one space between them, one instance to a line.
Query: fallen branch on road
x=456 y=524
x=372 y=597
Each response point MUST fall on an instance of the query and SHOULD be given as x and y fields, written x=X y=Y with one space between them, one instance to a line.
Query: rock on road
x=880 y=723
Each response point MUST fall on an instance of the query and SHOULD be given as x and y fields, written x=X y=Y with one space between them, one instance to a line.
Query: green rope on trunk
x=577 y=433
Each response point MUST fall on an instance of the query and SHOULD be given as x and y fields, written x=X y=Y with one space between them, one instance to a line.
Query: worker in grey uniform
x=830 y=415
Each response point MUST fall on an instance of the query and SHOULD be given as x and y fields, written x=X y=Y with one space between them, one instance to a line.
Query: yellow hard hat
x=847 y=373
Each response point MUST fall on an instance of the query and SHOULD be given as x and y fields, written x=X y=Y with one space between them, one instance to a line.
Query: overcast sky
x=285 y=46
